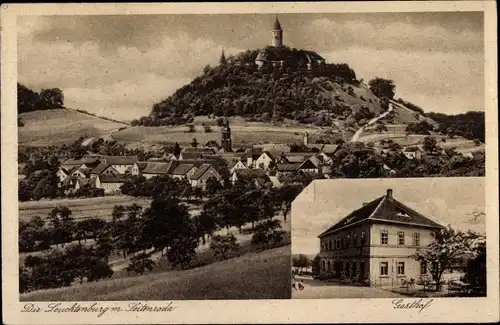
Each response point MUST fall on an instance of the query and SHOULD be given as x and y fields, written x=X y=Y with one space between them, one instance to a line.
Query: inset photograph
x=389 y=238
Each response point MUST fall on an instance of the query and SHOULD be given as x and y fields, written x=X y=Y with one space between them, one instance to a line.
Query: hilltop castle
x=277 y=54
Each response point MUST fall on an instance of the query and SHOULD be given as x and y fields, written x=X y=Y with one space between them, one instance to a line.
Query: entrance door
x=362 y=270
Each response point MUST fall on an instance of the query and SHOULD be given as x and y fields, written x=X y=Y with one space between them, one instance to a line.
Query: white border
x=250 y=311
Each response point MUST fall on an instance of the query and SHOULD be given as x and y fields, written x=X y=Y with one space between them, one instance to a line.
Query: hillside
x=327 y=95
x=61 y=126
x=264 y=275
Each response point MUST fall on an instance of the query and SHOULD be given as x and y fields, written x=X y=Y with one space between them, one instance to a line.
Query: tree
x=476 y=268
x=301 y=261
x=382 y=87
x=51 y=98
x=212 y=186
x=177 y=150
x=62 y=225
x=182 y=251
x=449 y=247
x=194 y=143
x=140 y=263
x=267 y=234
x=430 y=144
x=222 y=245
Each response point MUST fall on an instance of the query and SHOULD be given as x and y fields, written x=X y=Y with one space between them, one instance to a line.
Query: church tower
x=277 y=33
x=226 y=143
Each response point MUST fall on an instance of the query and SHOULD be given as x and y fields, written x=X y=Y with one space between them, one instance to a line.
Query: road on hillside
x=356 y=135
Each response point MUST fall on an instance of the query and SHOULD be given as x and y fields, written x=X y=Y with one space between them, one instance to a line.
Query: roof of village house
x=119 y=160
x=330 y=148
x=281 y=147
x=115 y=178
x=198 y=150
x=160 y=167
x=86 y=181
x=287 y=167
x=387 y=209
x=201 y=170
x=318 y=146
x=81 y=161
x=212 y=143
x=311 y=160
x=81 y=170
x=141 y=165
x=250 y=172
x=100 y=168
x=411 y=149
x=182 y=169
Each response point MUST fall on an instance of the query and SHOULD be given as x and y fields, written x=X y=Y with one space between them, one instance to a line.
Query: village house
x=252 y=154
x=259 y=176
x=62 y=174
x=183 y=171
x=103 y=169
x=273 y=147
x=264 y=160
x=192 y=153
x=157 y=168
x=122 y=164
x=376 y=242
x=412 y=152
x=202 y=174
x=138 y=167
x=110 y=183
x=79 y=172
x=287 y=169
x=86 y=162
x=236 y=165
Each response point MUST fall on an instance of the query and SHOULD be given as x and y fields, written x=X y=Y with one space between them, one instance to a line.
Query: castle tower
x=277 y=33
x=306 y=138
x=226 y=143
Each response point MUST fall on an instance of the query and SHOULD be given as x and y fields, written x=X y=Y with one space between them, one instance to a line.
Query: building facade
x=376 y=243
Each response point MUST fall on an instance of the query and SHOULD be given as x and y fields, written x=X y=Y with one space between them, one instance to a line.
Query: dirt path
x=358 y=133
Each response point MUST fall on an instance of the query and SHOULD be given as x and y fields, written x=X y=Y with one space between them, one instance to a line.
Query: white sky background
x=444 y=200
x=118 y=66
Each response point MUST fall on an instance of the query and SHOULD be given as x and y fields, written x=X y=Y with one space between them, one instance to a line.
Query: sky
x=118 y=66
x=444 y=200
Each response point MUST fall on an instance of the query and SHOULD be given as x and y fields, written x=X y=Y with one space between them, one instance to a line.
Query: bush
x=140 y=263
x=267 y=234
x=207 y=128
x=222 y=245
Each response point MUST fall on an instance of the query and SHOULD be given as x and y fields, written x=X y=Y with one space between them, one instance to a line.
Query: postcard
x=190 y=163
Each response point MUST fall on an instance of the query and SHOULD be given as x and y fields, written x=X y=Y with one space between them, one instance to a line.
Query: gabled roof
x=201 y=170
x=251 y=173
x=81 y=161
x=330 y=148
x=310 y=162
x=287 y=167
x=280 y=147
x=141 y=165
x=193 y=155
x=160 y=168
x=86 y=181
x=411 y=149
x=384 y=209
x=198 y=150
x=119 y=160
x=318 y=146
x=182 y=169
x=117 y=178
x=101 y=168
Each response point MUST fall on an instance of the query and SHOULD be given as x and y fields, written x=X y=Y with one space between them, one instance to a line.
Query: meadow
x=97 y=207
x=61 y=126
x=256 y=275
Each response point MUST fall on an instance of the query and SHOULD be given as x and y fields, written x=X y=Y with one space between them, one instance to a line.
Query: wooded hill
x=236 y=87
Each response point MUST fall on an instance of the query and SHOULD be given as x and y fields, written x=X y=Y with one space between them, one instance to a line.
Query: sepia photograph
x=148 y=159
x=158 y=158
x=391 y=238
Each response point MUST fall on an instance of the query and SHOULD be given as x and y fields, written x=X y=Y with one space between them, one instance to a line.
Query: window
x=384 y=268
x=401 y=268
x=355 y=240
x=401 y=238
x=363 y=238
x=423 y=267
x=416 y=239
x=384 y=237
x=349 y=242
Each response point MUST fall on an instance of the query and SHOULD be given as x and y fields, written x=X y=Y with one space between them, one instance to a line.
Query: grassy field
x=263 y=275
x=98 y=207
x=243 y=134
x=59 y=126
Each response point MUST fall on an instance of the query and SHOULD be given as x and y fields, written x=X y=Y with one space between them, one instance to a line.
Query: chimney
x=389 y=193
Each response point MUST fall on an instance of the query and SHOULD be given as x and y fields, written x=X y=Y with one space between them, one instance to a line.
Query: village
x=265 y=163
